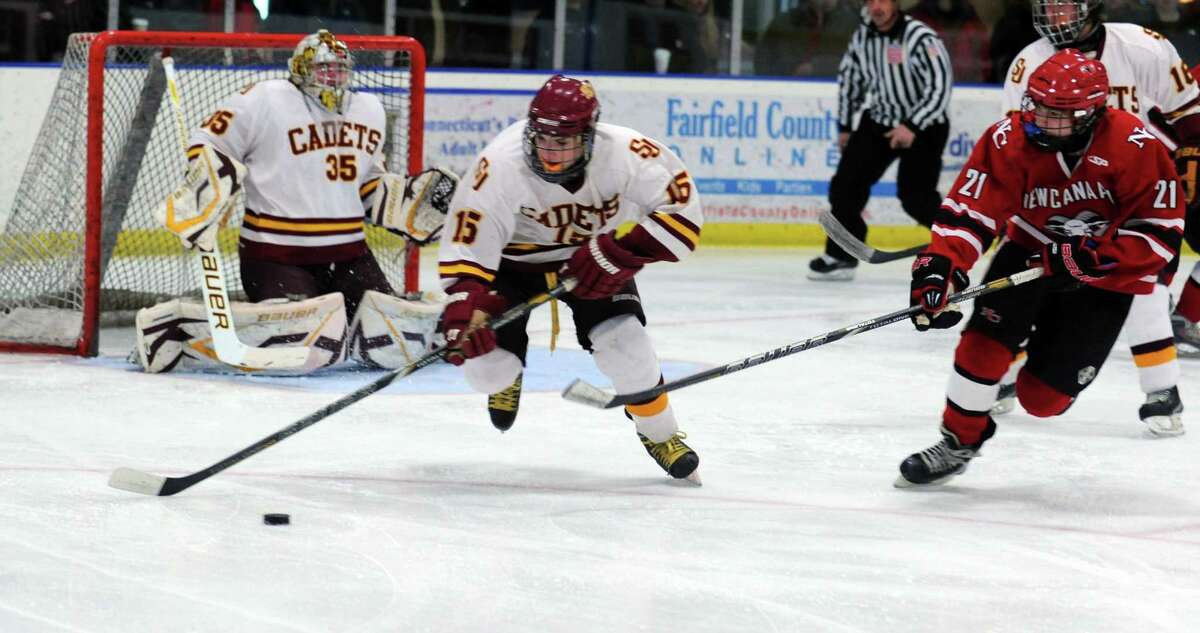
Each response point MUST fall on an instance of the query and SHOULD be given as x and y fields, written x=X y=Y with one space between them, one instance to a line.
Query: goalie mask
x=1064 y=100
x=561 y=129
x=1063 y=22
x=321 y=67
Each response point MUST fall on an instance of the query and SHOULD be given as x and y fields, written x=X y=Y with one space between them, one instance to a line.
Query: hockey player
x=562 y=194
x=308 y=152
x=1089 y=195
x=1148 y=79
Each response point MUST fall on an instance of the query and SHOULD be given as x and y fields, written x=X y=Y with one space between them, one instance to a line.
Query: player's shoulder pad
x=1005 y=135
x=1126 y=130
x=1144 y=44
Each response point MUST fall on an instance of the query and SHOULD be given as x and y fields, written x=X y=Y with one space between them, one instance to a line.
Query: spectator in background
x=689 y=29
x=1010 y=35
x=964 y=34
x=245 y=16
x=807 y=40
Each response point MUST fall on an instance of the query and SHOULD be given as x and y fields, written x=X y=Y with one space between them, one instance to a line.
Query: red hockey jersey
x=1123 y=191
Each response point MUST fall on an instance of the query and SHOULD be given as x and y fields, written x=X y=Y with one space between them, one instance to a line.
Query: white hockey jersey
x=503 y=211
x=306 y=167
x=1144 y=72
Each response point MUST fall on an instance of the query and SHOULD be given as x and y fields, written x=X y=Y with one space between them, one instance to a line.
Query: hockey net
x=81 y=247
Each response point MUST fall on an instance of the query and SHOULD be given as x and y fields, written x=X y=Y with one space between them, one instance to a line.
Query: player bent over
x=308 y=154
x=562 y=194
x=1089 y=195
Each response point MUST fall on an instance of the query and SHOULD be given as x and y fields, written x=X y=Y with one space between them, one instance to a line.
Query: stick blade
x=581 y=392
x=137 y=481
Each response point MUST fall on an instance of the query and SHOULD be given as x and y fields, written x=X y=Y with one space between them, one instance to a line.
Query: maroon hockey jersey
x=1123 y=191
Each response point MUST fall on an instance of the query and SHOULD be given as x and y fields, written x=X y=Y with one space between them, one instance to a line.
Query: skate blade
x=1003 y=407
x=837 y=275
x=1163 y=427
x=903 y=483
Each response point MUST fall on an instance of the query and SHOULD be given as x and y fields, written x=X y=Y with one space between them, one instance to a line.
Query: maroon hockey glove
x=1075 y=256
x=932 y=278
x=602 y=266
x=464 y=321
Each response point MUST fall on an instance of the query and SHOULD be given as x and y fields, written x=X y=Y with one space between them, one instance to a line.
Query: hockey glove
x=1075 y=256
x=464 y=321
x=415 y=207
x=933 y=277
x=602 y=266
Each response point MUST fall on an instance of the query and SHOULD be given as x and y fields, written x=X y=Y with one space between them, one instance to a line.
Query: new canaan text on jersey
x=1059 y=197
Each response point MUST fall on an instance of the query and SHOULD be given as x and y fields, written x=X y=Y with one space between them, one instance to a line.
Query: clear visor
x=1053 y=121
x=557 y=153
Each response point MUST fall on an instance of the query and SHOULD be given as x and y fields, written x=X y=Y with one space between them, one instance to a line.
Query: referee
x=902 y=65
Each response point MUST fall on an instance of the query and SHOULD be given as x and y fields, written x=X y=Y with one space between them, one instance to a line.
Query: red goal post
x=80 y=246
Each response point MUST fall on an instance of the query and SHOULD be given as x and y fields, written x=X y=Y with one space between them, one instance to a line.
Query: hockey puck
x=276 y=519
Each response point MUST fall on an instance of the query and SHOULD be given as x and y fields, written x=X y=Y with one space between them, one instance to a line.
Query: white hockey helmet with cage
x=321 y=67
x=1063 y=22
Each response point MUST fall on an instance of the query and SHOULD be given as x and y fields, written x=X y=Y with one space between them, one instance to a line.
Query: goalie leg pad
x=391 y=332
x=174 y=335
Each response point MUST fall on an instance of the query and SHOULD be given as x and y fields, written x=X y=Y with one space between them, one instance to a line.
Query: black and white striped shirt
x=905 y=71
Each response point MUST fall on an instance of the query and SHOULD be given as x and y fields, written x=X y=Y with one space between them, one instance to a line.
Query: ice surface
x=411 y=513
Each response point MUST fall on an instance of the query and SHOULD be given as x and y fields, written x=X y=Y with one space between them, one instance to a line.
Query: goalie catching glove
x=413 y=207
x=198 y=208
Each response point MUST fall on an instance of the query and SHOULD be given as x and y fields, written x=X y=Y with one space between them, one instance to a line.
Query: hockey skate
x=1187 y=336
x=503 y=405
x=1163 y=413
x=675 y=457
x=934 y=465
x=1006 y=399
x=827 y=268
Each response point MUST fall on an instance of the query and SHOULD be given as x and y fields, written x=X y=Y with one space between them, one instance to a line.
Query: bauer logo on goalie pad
x=175 y=335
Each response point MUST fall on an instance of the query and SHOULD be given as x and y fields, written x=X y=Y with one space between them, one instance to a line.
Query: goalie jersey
x=1144 y=73
x=503 y=212
x=1123 y=191
x=306 y=169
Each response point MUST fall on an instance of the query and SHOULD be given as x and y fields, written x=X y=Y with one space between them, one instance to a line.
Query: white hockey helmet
x=1063 y=21
x=321 y=67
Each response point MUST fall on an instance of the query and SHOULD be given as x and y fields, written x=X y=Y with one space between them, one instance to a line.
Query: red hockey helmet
x=1064 y=100
x=566 y=111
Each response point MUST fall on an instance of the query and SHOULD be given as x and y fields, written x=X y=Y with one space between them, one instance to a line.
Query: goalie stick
x=585 y=393
x=842 y=237
x=149 y=484
x=213 y=286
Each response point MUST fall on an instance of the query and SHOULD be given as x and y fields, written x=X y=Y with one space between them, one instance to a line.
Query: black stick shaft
x=173 y=485
x=817 y=341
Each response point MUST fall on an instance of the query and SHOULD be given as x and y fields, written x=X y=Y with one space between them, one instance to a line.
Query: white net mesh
x=42 y=246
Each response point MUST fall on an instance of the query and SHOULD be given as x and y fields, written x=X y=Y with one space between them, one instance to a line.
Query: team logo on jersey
x=1086 y=375
x=1096 y=160
x=1087 y=222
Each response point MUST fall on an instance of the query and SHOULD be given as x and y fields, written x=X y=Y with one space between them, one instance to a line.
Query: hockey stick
x=213 y=285
x=148 y=484
x=593 y=396
x=856 y=247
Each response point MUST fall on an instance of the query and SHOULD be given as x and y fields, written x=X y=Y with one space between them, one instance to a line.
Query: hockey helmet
x=321 y=67
x=1064 y=100
x=1063 y=21
x=564 y=111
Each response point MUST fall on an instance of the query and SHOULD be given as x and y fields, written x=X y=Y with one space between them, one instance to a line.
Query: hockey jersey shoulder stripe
x=464 y=268
x=679 y=227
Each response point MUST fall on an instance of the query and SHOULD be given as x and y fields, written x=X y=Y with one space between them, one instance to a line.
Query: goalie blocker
x=387 y=332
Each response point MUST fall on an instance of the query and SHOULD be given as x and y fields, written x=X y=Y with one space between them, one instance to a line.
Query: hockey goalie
x=305 y=157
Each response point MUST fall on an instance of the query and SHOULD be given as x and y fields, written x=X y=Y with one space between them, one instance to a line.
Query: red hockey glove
x=1075 y=256
x=602 y=266
x=932 y=278
x=464 y=321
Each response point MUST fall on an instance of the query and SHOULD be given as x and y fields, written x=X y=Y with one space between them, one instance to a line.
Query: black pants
x=1071 y=327
x=518 y=286
x=865 y=158
x=264 y=280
